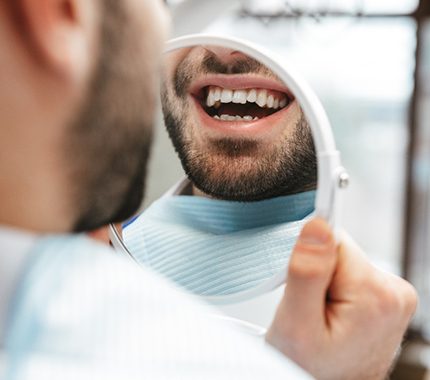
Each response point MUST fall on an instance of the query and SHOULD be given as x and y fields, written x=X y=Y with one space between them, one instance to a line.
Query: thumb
x=311 y=268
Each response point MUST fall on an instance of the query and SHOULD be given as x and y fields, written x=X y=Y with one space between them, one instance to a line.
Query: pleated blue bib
x=213 y=247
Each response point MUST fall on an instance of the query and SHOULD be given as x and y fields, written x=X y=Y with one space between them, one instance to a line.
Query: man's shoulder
x=92 y=306
x=80 y=262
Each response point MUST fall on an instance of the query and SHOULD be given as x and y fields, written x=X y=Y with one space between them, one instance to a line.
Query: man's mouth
x=237 y=104
x=242 y=104
x=240 y=98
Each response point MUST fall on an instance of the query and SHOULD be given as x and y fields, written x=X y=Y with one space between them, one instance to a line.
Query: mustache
x=211 y=64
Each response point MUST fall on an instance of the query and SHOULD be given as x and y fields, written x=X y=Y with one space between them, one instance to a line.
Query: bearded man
x=76 y=92
x=248 y=153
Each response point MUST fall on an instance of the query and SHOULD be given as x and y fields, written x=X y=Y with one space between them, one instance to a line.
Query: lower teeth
x=235 y=118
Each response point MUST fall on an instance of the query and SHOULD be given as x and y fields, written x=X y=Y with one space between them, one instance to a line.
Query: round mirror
x=259 y=158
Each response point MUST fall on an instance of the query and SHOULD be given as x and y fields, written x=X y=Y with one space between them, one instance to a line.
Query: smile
x=240 y=102
x=243 y=105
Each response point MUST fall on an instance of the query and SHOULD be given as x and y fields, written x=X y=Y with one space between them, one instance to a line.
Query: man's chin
x=225 y=184
x=98 y=215
x=234 y=152
x=232 y=193
x=248 y=178
x=129 y=206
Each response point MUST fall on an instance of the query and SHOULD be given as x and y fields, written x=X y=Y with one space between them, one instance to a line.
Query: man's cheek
x=161 y=20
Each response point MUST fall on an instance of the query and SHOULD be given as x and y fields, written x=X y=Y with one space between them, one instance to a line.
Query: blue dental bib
x=213 y=247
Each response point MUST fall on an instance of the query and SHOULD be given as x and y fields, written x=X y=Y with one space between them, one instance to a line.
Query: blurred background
x=369 y=63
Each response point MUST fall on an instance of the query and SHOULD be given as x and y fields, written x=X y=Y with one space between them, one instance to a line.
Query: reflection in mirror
x=251 y=173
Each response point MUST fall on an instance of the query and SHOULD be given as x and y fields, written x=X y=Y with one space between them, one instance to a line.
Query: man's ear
x=62 y=32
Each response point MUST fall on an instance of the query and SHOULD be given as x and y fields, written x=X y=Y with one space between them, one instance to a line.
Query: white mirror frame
x=332 y=177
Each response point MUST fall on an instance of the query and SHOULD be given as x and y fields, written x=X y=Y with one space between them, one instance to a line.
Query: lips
x=243 y=105
x=240 y=101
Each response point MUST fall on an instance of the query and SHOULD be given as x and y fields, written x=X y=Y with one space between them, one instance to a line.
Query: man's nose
x=226 y=55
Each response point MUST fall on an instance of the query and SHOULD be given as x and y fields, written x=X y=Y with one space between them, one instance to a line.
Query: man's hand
x=340 y=317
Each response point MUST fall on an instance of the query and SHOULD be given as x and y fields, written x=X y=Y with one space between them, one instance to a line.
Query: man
x=241 y=136
x=74 y=74
x=238 y=130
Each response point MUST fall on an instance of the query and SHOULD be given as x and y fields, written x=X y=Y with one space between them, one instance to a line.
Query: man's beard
x=109 y=143
x=238 y=169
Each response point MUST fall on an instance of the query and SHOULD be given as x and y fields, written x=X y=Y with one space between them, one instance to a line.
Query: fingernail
x=312 y=235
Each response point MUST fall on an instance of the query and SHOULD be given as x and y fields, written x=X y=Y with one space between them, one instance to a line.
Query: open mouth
x=241 y=105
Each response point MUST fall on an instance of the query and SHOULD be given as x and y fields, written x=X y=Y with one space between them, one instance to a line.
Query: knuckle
x=388 y=301
x=409 y=297
x=395 y=296
x=386 y=298
x=392 y=299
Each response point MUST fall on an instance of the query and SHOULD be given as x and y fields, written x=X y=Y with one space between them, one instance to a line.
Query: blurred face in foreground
x=77 y=100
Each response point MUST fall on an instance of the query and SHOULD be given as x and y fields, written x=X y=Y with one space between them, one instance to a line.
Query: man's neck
x=191 y=189
x=197 y=192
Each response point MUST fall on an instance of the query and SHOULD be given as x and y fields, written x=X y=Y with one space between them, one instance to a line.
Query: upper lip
x=238 y=82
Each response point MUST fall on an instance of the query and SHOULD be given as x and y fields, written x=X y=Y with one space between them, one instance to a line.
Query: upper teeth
x=259 y=96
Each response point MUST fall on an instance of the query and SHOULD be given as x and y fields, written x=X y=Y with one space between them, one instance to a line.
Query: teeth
x=218 y=95
x=262 y=98
x=210 y=101
x=239 y=96
x=270 y=101
x=226 y=96
x=283 y=103
x=226 y=117
x=252 y=96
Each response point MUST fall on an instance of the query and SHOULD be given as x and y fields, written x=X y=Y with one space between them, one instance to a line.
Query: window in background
x=418 y=259
x=362 y=70
x=330 y=6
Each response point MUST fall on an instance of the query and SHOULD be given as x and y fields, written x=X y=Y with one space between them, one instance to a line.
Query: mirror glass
x=250 y=175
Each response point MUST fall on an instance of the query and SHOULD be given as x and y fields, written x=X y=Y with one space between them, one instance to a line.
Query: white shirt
x=15 y=246
x=106 y=318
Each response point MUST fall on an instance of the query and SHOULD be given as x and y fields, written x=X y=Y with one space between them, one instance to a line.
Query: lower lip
x=240 y=128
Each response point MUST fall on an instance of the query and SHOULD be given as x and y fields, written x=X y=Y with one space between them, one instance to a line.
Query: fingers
x=352 y=271
x=400 y=297
x=408 y=298
x=338 y=305
x=375 y=291
x=311 y=269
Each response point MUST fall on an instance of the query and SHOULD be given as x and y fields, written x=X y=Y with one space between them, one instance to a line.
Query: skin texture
x=247 y=167
x=77 y=103
x=356 y=314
